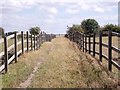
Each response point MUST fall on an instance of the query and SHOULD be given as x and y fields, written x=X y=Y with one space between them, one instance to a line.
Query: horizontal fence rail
x=84 y=42
x=17 y=44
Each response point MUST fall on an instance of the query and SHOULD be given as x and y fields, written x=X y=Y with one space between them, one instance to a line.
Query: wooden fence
x=22 y=42
x=84 y=41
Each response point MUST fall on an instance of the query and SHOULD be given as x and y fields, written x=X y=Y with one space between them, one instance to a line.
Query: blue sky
x=53 y=16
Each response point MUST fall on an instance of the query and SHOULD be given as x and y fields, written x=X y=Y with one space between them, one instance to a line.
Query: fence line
x=85 y=45
x=27 y=43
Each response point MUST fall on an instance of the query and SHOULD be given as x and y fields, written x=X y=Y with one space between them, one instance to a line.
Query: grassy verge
x=18 y=72
x=67 y=67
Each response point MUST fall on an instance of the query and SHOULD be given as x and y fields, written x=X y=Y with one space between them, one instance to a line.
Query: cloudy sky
x=54 y=15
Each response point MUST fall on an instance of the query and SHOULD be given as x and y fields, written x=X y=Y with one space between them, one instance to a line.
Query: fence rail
x=22 y=42
x=84 y=42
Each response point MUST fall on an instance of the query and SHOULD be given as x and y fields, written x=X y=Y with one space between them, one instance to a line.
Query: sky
x=53 y=16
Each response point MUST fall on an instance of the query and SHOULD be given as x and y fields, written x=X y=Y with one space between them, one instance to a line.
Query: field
x=61 y=65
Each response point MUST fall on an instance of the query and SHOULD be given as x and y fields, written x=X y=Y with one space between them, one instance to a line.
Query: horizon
x=53 y=16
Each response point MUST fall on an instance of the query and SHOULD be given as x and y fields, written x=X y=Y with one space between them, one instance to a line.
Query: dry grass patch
x=67 y=67
x=19 y=72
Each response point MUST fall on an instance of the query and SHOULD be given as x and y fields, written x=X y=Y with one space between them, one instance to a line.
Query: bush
x=34 y=30
x=71 y=30
x=111 y=27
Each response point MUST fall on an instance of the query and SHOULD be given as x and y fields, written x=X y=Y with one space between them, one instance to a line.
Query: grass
x=18 y=72
x=63 y=65
x=1 y=47
x=67 y=67
x=11 y=42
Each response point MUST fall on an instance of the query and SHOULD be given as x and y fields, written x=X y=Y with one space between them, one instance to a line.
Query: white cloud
x=52 y=10
x=49 y=21
x=73 y=1
x=17 y=5
x=72 y=11
x=98 y=9
x=50 y=16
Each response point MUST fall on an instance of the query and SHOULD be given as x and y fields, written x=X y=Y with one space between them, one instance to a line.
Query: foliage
x=73 y=29
x=35 y=30
x=89 y=26
x=2 y=31
x=111 y=27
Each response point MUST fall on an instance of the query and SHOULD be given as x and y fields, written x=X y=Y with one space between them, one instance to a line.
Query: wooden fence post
x=6 y=53
x=73 y=37
x=34 y=41
x=49 y=37
x=22 y=37
x=15 y=47
x=100 y=46
x=80 y=40
x=39 y=40
x=27 y=41
x=42 y=37
x=89 y=44
x=45 y=37
x=94 y=44
x=83 y=42
x=31 y=42
x=110 y=50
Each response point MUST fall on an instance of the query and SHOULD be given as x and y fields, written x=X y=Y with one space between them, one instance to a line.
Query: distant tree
x=111 y=27
x=1 y=32
x=89 y=26
x=72 y=30
x=35 y=30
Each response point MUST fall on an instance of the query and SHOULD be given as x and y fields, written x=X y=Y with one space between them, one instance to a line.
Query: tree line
x=88 y=26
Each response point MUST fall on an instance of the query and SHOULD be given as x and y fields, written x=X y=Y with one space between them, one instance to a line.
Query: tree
x=89 y=26
x=35 y=30
x=1 y=32
x=74 y=28
x=111 y=27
